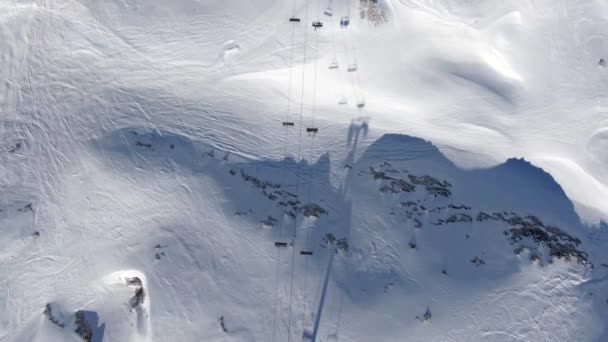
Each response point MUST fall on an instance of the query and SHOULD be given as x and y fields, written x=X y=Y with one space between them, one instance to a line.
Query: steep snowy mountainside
x=199 y=223
x=522 y=76
x=146 y=177
x=410 y=234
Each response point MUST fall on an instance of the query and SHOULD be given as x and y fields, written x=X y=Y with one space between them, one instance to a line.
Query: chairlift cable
x=359 y=96
x=283 y=174
x=311 y=177
x=332 y=37
x=295 y=231
x=349 y=48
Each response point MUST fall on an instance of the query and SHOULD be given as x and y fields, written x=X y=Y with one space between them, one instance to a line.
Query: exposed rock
x=312 y=209
x=483 y=217
x=560 y=244
x=433 y=185
x=83 y=328
x=138 y=298
x=50 y=314
x=460 y=217
x=400 y=185
x=258 y=183
x=26 y=208
x=388 y=287
x=342 y=245
x=394 y=184
x=426 y=317
x=139 y=143
x=519 y=250
x=477 y=261
x=328 y=239
x=15 y=148
x=135 y=281
x=284 y=199
x=269 y=221
x=158 y=251
x=459 y=207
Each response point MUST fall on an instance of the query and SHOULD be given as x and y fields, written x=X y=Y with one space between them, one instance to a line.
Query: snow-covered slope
x=145 y=174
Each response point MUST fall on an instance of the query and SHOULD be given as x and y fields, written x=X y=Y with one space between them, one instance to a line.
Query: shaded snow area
x=390 y=170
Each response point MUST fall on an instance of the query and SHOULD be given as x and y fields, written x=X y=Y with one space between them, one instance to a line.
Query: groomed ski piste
x=303 y=170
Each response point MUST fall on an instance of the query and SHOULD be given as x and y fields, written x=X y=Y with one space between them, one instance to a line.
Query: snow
x=145 y=174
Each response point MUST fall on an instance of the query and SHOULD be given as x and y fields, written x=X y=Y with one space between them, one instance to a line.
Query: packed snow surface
x=442 y=164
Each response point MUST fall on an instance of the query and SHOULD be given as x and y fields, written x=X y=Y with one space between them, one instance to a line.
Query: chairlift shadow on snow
x=358 y=127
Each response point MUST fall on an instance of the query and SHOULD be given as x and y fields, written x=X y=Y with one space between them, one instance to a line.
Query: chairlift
x=280 y=244
x=328 y=12
x=294 y=20
x=352 y=67
x=317 y=24
x=334 y=64
x=305 y=252
x=344 y=21
x=288 y=123
x=312 y=130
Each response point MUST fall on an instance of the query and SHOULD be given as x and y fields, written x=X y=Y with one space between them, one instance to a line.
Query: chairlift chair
x=343 y=101
x=294 y=20
x=288 y=123
x=334 y=64
x=344 y=21
x=312 y=130
x=305 y=252
x=328 y=12
x=352 y=67
x=317 y=24
x=280 y=244
x=361 y=104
